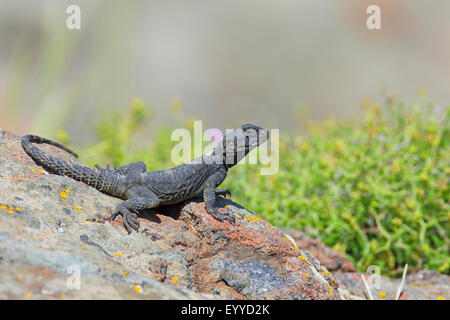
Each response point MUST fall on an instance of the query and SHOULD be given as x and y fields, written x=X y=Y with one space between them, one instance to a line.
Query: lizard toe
x=132 y=221
x=229 y=217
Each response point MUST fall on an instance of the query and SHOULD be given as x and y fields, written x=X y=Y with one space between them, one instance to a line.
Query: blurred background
x=363 y=114
x=225 y=62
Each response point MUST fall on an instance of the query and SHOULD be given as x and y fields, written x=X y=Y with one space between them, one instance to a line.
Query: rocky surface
x=335 y=261
x=55 y=231
x=423 y=285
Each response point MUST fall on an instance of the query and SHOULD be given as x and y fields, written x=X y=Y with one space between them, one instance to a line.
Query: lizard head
x=238 y=143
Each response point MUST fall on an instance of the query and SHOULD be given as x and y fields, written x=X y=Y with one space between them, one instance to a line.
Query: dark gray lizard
x=145 y=190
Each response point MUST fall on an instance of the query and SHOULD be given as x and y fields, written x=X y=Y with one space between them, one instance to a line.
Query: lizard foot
x=130 y=220
x=220 y=216
x=226 y=193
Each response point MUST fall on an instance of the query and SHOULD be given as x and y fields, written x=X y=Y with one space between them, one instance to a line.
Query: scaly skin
x=145 y=190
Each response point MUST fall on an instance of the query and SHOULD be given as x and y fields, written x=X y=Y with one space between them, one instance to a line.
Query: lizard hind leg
x=143 y=199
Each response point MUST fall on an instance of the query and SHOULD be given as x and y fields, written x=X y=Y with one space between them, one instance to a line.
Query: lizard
x=142 y=190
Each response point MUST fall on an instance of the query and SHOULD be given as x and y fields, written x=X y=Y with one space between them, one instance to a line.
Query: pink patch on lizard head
x=216 y=135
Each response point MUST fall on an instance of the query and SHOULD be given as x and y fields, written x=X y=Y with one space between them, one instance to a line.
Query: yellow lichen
x=382 y=294
x=28 y=294
x=303 y=258
x=137 y=288
x=118 y=254
x=78 y=208
x=42 y=235
x=441 y=298
x=64 y=193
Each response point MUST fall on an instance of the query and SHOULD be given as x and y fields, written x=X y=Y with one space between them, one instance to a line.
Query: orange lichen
x=137 y=288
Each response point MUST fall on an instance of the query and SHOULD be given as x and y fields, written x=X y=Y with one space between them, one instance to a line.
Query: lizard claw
x=220 y=216
x=130 y=220
x=226 y=193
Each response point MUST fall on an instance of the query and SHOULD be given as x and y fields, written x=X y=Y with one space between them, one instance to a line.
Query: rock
x=54 y=231
x=335 y=261
x=423 y=285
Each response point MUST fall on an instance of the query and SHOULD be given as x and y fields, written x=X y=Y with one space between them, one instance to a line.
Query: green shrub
x=377 y=191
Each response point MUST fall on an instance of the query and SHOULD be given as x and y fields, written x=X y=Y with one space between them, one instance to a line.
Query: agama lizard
x=145 y=190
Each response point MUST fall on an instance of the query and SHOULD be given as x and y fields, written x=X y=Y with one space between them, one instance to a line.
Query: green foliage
x=377 y=191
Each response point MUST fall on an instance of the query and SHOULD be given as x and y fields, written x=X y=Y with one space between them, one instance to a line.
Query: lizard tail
x=100 y=179
x=29 y=138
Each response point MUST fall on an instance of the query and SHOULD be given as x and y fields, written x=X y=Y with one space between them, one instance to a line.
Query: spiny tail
x=101 y=179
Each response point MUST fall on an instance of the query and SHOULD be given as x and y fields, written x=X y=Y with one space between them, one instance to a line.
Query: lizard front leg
x=143 y=199
x=209 y=196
